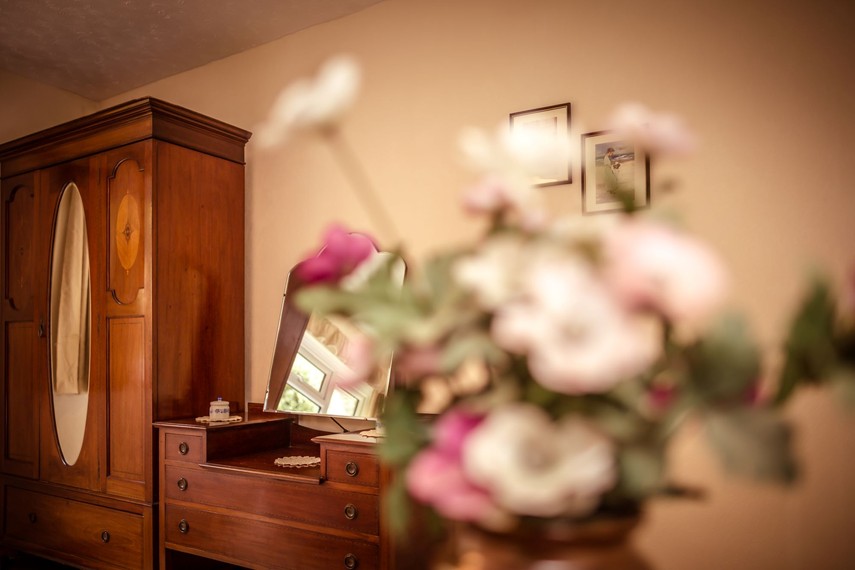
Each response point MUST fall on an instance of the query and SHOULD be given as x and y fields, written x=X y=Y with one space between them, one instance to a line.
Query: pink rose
x=488 y=195
x=662 y=134
x=436 y=477
x=660 y=398
x=650 y=265
x=755 y=396
x=358 y=354
x=416 y=362
x=341 y=253
x=452 y=429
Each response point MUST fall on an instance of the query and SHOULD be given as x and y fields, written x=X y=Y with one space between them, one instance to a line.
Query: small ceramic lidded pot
x=219 y=410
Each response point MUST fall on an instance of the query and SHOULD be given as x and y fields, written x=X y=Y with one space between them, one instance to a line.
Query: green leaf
x=322 y=299
x=398 y=507
x=843 y=387
x=472 y=344
x=724 y=365
x=620 y=423
x=406 y=433
x=810 y=346
x=642 y=469
x=437 y=281
x=624 y=193
x=753 y=442
x=536 y=394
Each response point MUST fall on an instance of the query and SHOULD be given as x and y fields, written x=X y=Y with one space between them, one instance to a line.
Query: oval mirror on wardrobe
x=70 y=320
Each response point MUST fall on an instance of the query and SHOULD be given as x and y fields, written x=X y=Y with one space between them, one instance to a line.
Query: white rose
x=576 y=335
x=317 y=103
x=532 y=466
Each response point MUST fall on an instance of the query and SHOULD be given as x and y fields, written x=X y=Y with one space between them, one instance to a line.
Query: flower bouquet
x=560 y=356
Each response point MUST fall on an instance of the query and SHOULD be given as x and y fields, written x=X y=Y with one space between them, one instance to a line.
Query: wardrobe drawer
x=263 y=543
x=182 y=447
x=305 y=502
x=79 y=529
x=356 y=468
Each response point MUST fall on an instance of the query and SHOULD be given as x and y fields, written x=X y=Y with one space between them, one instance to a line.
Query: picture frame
x=611 y=165
x=553 y=122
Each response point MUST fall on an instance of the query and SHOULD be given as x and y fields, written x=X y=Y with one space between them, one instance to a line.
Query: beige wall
x=27 y=106
x=766 y=86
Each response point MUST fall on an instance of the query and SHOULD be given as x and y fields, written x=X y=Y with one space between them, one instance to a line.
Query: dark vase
x=601 y=544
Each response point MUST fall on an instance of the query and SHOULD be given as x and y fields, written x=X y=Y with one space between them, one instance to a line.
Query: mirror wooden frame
x=292 y=327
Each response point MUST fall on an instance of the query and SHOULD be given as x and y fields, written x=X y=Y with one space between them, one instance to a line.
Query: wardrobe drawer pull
x=32 y=518
x=351 y=562
x=105 y=536
x=350 y=512
x=182 y=484
x=183 y=526
x=183 y=448
x=352 y=469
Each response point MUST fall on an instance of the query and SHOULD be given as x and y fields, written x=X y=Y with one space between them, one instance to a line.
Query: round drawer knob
x=350 y=512
x=352 y=469
x=183 y=448
x=105 y=536
x=32 y=518
x=351 y=562
x=182 y=484
x=183 y=526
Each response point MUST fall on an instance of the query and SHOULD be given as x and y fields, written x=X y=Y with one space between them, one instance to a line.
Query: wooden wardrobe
x=162 y=191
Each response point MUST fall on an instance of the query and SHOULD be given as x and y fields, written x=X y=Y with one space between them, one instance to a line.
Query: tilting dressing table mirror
x=310 y=358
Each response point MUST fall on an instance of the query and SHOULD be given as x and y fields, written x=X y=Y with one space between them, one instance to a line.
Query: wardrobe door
x=22 y=327
x=71 y=416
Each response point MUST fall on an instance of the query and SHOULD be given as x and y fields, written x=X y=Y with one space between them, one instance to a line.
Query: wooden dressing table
x=222 y=498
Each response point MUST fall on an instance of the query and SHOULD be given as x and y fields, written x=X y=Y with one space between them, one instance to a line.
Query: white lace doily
x=208 y=420
x=297 y=461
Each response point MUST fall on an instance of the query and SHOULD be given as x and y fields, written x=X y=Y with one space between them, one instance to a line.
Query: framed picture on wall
x=614 y=171
x=544 y=125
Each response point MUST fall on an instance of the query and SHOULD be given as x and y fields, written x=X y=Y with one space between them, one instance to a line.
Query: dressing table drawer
x=115 y=538
x=310 y=503
x=355 y=468
x=267 y=543
x=183 y=447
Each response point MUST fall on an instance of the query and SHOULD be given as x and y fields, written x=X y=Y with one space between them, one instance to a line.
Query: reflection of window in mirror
x=308 y=384
x=308 y=372
x=327 y=333
x=311 y=372
x=342 y=403
x=314 y=376
x=293 y=400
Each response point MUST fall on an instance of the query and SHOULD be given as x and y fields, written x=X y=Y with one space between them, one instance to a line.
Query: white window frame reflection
x=331 y=398
x=315 y=377
x=284 y=408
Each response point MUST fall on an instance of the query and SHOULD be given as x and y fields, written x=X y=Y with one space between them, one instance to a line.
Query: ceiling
x=100 y=48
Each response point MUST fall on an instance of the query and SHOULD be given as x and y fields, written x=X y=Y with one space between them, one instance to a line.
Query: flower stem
x=355 y=173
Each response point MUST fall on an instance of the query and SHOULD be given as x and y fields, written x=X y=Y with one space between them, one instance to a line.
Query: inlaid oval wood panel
x=126 y=192
x=19 y=210
x=128 y=229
